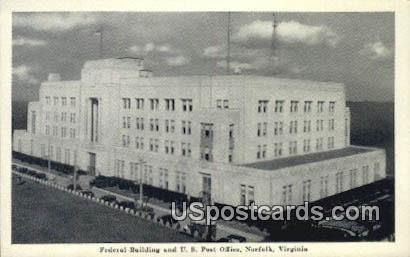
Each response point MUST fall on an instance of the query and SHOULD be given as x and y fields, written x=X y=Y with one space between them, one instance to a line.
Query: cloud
x=176 y=60
x=23 y=41
x=151 y=47
x=214 y=52
x=23 y=73
x=53 y=21
x=377 y=51
x=288 y=32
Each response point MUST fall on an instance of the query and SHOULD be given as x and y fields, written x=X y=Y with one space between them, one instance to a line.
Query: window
x=55 y=116
x=126 y=140
x=55 y=99
x=72 y=101
x=332 y=106
x=306 y=190
x=262 y=128
x=278 y=128
x=330 y=142
x=72 y=132
x=67 y=156
x=293 y=127
x=120 y=168
x=139 y=123
x=43 y=150
x=72 y=117
x=33 y=122
x=170 y=126
x=187 y=105
x=55 y=131
x=306 y=126
x=63 y=132
x=308 y=106
x=156 y=125
x=226 y=104
x=154 y=103
x=339 y=182
x=139 y=143
x=258 y=152
x=294 y=106
x=218 y=103
x=263 y=106
x=64 y=116
x=169 y=147
x=247 y=195
x=319 y=144
x=306 y=145
x=151 y=124
x=48 y=115
x=186 y=149
x=331 y=125
x=353 y=178
x=264 y=147
x=287 y=194
x=186 y=127
x=376 y=169
x=47 y=100
x=180 y=181
x=324 y=182
x=293 y=147
x=277 y=149
x=58 y=154
x=279 y=105
x=222 y=103
x=207 y=130
x=206 y=154
x=319 y=125
x=170 y=104
x=320 y=105
x=126 y=103
x=63 y=101
x=47 y=130
x=365 y=174
x=139 y=103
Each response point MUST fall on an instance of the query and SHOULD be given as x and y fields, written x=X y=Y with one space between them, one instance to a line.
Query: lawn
x=46 y=215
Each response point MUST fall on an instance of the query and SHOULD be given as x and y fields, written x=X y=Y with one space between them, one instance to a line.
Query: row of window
x=169 y=125
x=154 y=104
x=56 y=101
x=262 y=127
x=279 y=106
x=261 y=152
x=287 y=190
x=57 y=154
x=153 y=145
x=161 y=180
x=62 y=132
x=62 y=117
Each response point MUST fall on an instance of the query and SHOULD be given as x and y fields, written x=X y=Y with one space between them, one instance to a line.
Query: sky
x=356 y=49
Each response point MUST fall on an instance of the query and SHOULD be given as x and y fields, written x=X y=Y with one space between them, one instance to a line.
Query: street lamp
x=141 y=162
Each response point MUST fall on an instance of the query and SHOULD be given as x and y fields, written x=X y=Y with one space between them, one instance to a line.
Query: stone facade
x=198 y=133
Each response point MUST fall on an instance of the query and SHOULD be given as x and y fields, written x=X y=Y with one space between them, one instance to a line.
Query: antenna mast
x=274 y=25
x=228 y=56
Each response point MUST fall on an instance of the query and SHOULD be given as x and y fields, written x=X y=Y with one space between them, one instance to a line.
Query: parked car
x=222 y=239
x=236 y=238
x=168 y=218
x=41 y=176
x=109 y=198
x=127 y=204
x=71 y=187
x=87 y=193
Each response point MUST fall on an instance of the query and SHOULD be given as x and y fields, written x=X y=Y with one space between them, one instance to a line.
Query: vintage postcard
x=265 y=129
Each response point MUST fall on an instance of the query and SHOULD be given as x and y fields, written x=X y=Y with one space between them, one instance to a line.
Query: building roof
x=307 y=158
x=244 y=81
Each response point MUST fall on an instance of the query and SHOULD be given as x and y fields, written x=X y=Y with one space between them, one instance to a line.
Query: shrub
x=71 y=187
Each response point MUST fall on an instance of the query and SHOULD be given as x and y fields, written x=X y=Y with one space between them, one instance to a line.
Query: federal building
x=237 y=139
